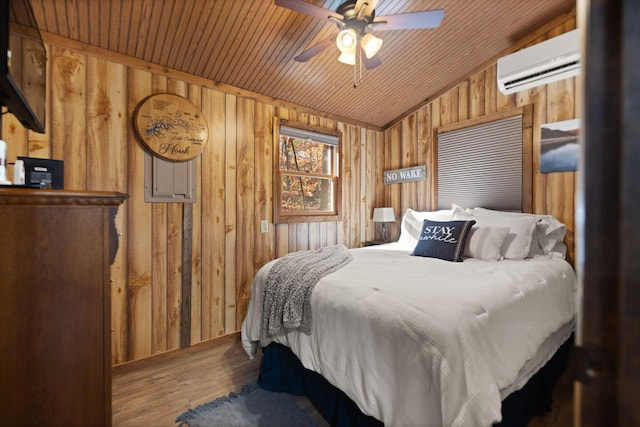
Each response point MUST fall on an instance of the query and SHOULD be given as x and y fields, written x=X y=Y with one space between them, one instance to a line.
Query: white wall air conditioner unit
x=552 y=60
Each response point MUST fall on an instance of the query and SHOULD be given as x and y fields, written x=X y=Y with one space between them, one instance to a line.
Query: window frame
x=526 y=113
x=280 y=217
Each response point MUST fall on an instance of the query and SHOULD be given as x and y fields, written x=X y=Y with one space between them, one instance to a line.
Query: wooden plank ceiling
x=251 y=45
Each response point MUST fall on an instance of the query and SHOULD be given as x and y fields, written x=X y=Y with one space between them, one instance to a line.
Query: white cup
x=18 y=172
x=3 y=163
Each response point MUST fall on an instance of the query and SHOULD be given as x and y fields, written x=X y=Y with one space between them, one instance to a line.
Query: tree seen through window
x=306 y=169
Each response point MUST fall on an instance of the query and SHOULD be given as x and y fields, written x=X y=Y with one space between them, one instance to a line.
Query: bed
x=436 y=329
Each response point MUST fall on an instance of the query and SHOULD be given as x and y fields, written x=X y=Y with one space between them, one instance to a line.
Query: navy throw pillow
x=443 y=239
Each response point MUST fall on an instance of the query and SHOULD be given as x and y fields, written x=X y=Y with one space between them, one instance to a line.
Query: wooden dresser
x=56 y=248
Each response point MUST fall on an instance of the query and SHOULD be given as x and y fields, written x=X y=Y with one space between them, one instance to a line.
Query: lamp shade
x=347 y=40
x=371 y=44
x=348 y=58
x=383 y=215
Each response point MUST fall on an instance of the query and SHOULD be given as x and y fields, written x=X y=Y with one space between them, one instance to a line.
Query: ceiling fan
x=356 y=20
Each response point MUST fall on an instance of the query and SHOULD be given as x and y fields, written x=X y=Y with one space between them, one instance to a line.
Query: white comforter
x=423 y=342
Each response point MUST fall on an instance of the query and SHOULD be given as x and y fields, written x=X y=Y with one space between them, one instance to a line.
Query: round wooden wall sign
x=171 y=127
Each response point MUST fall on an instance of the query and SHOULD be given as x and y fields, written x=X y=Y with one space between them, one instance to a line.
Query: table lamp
x=384 y=215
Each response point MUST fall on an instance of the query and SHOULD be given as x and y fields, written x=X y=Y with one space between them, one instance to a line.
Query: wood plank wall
x=410 y=141
x=92 y=95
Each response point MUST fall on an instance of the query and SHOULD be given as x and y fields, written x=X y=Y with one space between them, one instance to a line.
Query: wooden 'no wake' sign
x=171 y=127
x=415 y=173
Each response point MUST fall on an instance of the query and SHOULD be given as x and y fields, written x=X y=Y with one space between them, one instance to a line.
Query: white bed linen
x=424 y=342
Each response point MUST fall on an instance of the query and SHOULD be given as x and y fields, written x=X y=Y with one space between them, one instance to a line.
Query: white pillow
x=411 y=225
x=517 y=244
x=485 y=242
x=549 y=234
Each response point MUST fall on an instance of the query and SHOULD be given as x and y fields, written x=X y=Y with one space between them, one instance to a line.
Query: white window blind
x=309 y=135
x=481 y=165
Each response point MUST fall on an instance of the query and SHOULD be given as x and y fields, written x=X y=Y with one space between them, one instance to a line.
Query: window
x=482 y=165
x=307 y=179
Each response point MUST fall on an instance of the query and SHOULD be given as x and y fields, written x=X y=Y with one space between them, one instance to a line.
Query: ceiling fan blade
x=306 y=8
x=315 y=49
x=371 y=63
x=411 y=20
x=369 y=6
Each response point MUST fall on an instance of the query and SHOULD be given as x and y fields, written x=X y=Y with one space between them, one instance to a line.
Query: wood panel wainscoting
x=55 y=362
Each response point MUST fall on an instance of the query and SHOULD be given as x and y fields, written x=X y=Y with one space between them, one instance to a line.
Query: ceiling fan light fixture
x=355 y=18
x=347 y=40
x=348 y=58
x=371 y=45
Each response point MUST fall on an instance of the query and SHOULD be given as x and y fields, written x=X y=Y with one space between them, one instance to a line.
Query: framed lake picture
x=559 y=149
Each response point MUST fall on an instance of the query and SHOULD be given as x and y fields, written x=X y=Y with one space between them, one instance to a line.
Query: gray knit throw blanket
x=288 y=287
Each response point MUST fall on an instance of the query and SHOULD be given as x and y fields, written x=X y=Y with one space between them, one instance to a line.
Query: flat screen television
x=22 y=64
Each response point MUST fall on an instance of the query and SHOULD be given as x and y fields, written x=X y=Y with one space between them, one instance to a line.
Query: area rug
x=251 y=407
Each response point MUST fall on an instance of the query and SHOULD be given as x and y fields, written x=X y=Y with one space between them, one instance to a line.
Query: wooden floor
x=155 y=391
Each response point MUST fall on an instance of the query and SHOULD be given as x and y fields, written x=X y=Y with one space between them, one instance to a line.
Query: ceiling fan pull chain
x=355 y=75
x=360 y=65
x=357 y=68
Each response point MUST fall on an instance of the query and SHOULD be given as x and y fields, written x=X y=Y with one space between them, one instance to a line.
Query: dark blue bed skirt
x=281 y=371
